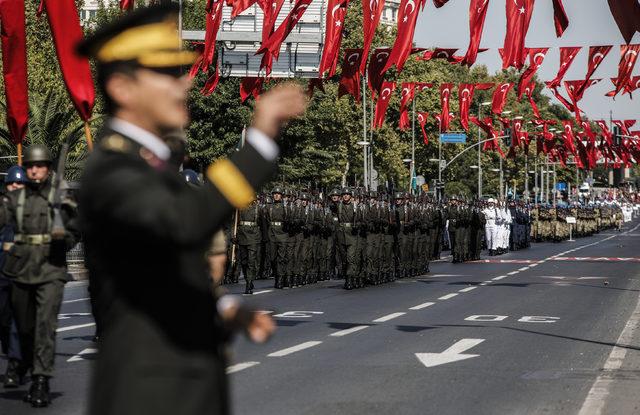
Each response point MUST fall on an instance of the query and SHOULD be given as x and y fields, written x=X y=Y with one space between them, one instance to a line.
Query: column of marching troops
x=370 y=238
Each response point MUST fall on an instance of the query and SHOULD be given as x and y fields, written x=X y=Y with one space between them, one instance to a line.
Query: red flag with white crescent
x=270 y=11
x=500 y=97
x=596 y=56
x=518 y=18
x=14 y=67
x=271 y=48
x=528 y=92
x=66 y=31
x=212 y=25
x=625 y=125
x=314 y=83
x=627 y=16
x=465 y=96
x=477 y=15
x=407 y=19
x=568 y=137
x=238 y=6
x=486 y=125
x=408 y=93
x=441 y=53
x=560 y=19
x=422 y=120
x=628 y=58
x=536 y=57
x=382 y=102
x=606 y=133
x=423 y=86
x=375 y=73
x=212 y=82
x=350 y=78
x=250 y=86
x=371 y=13
x=567 y=55
x=445 y=98
x=336 y=12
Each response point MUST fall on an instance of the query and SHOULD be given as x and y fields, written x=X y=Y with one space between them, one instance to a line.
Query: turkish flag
x=350 y=78
x=270 y=11
x=576 y=90
x=627 y=16
x=560 y=19
x=484 y=86
x=371 y=13
x=422 y=120
x=465 y=96
x=486 y=125
x=382 y=102
x=250 y=86
x=441 y=53
x=477 y=15
x=375 y=73
x=408 y=93
x=271 y=48
x=625 y=125
x=445 y=98
x=14 y=67
x=536 y=57
x=423 y=86
x=314 y=83
x=518 y=18
x=596 y=56
x=568 y=137
x=440 y=3
x=606 y=133
x=632 y=85
x=212 y=82
x=214 y=18
x=528 y=92
x=238 y=6
x=336 y=12
x=64 y=22
x=628 y=58
x=126 y=4
x=407 y=18
x=567 y=55
x=500 y=97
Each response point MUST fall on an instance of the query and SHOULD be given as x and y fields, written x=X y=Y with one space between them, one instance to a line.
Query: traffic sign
x=455 y=138
x=561 y=186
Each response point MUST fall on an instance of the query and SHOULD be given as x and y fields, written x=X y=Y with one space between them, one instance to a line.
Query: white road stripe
x=79 y=326
x=512 y=272
x=484 y=283
x=523 y=269
x=533 y=265
x=388 y=317
x=501 y=277
x=347 y=331
x=75 y=301
x=448 y=296
x=421 y=306
x=290 y=350
x=597 y=397
x=262 y=292
x=78 y=357
x=466 y=290
x=240 y=366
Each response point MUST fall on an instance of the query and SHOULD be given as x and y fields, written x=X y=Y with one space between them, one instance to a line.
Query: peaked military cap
x=147 y=37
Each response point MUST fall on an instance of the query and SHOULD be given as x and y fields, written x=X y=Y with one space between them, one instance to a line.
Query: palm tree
x=52 y=121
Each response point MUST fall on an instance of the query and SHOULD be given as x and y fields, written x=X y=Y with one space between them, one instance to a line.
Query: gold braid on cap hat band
x=153 y=45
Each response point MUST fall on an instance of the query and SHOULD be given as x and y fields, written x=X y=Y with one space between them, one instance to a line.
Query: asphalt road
x=554 y=329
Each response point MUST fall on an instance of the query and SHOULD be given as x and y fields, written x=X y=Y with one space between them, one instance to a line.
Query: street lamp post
x=413 y=146
x=480 y=149
x=364 y=132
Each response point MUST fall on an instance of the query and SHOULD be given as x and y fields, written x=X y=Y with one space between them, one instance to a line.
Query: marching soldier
x=347 y=239
x=276 y=218
x=146 y=233
x=36 y=263
x=249 y=238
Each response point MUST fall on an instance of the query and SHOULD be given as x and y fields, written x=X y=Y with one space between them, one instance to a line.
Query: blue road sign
x=561 y=186
x=455 y=138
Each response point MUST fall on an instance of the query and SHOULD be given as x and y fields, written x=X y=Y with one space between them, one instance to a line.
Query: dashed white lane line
x=79 y=357
x=347 y=331
x=75 y=301
x=512 y=272
x=466 y=290
x=533 y=265
x=240 y=366
x=448 y=296
x=523 y=269
x=484 y=283
x=421 y=306
x=388 y=317
x=262 y=292
x=79 y=326
x=294 y=349
x=501 y=277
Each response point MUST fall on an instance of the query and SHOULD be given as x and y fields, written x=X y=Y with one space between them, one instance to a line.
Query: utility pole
x=413 y=145
x=501 y=180
x=364 y=131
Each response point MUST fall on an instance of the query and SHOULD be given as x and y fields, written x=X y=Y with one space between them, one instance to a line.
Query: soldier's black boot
x=12 y=378
x=347 y=284
x=40 y=394
x=248 y=287
x=278 y=282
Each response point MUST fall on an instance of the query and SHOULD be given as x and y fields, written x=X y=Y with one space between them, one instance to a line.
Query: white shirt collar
x=142 y=137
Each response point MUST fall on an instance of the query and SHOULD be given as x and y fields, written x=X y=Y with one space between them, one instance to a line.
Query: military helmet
x=334 y=192
x=347 y=191
x=399 y=195
x=304 y=196
x=37 y=153
x=15 y=174
x=276 y=189
x=190 y=177
x=373 y=194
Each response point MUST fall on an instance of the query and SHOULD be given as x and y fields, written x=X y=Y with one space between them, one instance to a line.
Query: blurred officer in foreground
x=147 y=233
x=36 y=263
x=15 y=179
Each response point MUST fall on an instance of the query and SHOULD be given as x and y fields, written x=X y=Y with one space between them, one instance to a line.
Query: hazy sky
x=590 y=24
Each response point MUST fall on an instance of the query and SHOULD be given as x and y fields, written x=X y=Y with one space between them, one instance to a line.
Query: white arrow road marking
x=421 y=306
x=293 y=349
x=348 y=331
x=388 y=317
x=452 y=354
x=240 y=366
x=79 y=357
x=79 y=326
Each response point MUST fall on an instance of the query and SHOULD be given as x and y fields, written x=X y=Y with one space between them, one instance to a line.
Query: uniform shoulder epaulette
x=116 y=143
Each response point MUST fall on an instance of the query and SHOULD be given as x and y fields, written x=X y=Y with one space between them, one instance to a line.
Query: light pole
x=410 y=163
x=364 y=145
x=483 y=104
x=413 y=145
